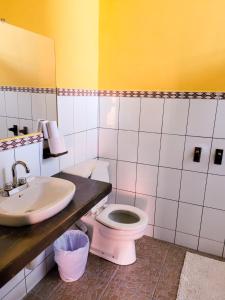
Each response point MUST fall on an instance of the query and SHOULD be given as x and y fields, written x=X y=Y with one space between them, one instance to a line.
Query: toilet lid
x=123 y=217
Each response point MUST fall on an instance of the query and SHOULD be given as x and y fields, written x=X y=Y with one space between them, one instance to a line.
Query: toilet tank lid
x=88 y=168
x=83 y=169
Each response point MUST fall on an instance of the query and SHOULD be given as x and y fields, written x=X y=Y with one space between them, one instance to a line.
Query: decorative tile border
x=14 y=142
x=147 y=94
x=112 y=93
x=76 y=92
x=28 y=89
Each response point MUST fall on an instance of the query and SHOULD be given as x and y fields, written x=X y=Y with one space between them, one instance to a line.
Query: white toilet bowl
x=112 y=228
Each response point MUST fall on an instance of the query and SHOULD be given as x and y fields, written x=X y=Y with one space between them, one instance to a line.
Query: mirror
x=27 y=80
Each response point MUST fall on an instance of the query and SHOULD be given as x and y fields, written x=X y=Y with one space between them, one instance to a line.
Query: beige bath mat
x=202 y=278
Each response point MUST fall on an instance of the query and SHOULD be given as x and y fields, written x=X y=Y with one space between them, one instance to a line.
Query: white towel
x=55 y=139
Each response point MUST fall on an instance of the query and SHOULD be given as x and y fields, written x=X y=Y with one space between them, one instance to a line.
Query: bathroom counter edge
x=19 y=245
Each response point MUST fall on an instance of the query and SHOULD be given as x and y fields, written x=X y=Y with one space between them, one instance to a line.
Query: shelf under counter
x=19 y=245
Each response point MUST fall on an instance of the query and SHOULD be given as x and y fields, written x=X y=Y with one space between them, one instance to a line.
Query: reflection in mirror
x=27 y=80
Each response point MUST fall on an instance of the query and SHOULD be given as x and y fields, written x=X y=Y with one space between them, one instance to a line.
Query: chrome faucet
x=14 y=172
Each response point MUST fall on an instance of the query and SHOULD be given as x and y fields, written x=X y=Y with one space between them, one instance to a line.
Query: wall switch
x=218 y=157
x=197 y=154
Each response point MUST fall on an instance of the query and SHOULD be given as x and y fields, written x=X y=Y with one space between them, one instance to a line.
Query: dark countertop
x=19 y=245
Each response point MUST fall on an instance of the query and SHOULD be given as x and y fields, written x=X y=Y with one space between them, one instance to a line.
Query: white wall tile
x=17 y=293
x=33 y=264
x=10 y=122
x=39 y=110
x=215 y=191
x=92 y=112
x=3 y=127
x=127 y=145
x=65 y=114
x=191 y=143
x=201 y=117
x=51 y=107
x=146 y=179
x=148 y=149
x=213 y=224
x=147 y=204
x=2 y=104
x=92 y=144
x=149 y=231
x=80 y=147
x=11 y=104
x=27 y=154
x=6 y=161
x=80 y=113
x=151 y=115
x=12 y=283
x=166 y=213
x=169 y=183
x=50 y=166
x=213 y=168
x=185 y=212
x=35 y=126
x=35 y=276
x=211 y=247
x=126 y=176
x=172 y=149
x=112 y=197
x=108 y=143
x=186 y=240
x=68 y=160
x=192 y=187
x=175 y=116
x=129 y=113
x=109 y=112
x=164 y=234
x=25 y=123
x=219 y=130
x=24 y=106
x=124 y=197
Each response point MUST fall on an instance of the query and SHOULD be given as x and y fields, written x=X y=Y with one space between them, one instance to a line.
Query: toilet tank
x=95 y=169
x=101 y=173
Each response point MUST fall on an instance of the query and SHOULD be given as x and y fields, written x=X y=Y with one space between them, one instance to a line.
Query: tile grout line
x=163 y=166
x=109 y=281
x=160 y=272
x=158 y=166
x=117 y=148
x=182 y=166
x=165 y=133
x=138 y=143
x=207 y=174
x=98 y=124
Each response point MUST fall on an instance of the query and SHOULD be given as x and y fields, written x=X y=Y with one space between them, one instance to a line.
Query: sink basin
x=43 y=198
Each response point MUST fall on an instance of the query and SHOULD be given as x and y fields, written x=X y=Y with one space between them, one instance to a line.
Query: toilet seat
x=136 y=218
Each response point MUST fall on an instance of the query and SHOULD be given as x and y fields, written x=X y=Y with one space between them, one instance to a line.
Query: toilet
x=113 y=228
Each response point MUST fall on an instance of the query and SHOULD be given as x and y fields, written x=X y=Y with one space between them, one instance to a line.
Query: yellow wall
x=162 y=45
x=141 y=44
x=26 y=58
x=73 y=24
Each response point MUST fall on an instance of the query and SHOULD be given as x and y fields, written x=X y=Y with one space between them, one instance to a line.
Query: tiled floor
x=154 y=276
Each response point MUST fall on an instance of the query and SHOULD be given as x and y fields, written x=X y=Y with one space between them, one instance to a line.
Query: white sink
x=43 y=198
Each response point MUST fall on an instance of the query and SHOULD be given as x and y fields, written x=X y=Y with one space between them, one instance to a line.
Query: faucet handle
x=8 y=186
x=22 y=181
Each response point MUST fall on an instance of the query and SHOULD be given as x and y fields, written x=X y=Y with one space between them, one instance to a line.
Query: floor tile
x=90 y=286
x=167 y=286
